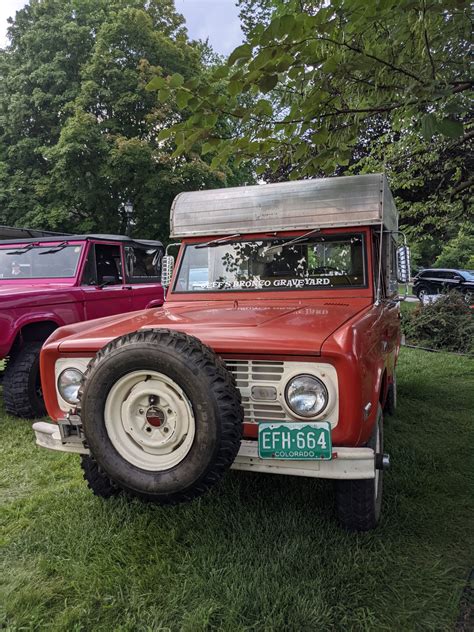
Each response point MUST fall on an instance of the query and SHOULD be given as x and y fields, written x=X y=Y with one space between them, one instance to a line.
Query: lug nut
x=140 y=411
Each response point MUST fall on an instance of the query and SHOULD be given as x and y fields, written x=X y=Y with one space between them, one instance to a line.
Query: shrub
x=446 y=324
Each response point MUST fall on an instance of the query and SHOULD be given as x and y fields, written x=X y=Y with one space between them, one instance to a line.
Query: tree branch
x=427 y=43
x=462 y=187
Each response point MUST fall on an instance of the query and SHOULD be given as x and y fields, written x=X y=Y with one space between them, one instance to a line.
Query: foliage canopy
x=77 y=126
x=325 y=88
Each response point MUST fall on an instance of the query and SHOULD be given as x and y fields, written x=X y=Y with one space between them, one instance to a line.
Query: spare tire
x=161 y=415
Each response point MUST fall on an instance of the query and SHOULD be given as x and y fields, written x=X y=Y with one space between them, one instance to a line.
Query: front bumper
x=347 y=463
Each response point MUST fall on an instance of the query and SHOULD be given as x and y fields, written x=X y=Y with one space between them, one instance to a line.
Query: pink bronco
x=49 y=282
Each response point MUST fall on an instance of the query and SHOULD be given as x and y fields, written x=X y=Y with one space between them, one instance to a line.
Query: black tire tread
x=354 y=503
x=354 y=498
x=222 y=383
x=97 y=480
x=16 y=382
x=390 y=402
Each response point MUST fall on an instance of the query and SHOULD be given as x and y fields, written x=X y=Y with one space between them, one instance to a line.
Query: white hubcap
x=149 y=420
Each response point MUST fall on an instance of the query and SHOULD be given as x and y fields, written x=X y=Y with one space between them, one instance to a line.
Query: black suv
x=437 y=280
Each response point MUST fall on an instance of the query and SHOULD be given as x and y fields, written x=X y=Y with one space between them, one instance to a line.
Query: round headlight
x=69 y=382
x=306 y=395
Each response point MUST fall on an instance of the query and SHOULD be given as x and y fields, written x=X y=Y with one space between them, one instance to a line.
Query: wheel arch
x=33 y=331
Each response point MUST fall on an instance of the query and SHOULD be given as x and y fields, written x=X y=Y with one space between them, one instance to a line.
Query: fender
x=155 y=303
x=16 y=326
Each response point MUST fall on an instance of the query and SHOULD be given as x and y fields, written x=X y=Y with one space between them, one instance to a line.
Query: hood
x=23 y=295
x=228 y=327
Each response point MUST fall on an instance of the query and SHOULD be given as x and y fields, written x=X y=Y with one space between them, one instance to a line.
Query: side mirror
x=458 y=278
x=167 y=265
x=403 y=264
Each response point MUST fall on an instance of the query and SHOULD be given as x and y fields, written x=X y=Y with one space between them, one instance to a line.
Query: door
x=143 y=276
x=105 y=293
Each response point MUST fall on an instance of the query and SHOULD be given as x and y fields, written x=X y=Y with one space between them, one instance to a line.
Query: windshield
x=312 y=262
x=39 y=262
x=468 y=275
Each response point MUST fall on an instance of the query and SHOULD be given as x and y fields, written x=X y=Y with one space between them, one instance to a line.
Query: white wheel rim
x=149 y=420
x=377 y=471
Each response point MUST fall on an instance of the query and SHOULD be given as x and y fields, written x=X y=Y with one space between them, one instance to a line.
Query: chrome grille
x=250 y=372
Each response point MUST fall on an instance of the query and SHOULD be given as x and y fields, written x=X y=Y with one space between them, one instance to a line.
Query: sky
x=217 y=20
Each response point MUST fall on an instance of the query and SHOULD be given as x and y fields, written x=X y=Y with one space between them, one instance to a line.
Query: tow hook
x=382 y=461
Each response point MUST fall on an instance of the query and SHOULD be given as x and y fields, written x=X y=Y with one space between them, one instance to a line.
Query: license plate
x=300 y=441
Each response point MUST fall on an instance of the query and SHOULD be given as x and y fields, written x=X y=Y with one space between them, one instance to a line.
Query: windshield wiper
x=23 y=250
x=57 y=248
x=217 y=242
x=296 y=240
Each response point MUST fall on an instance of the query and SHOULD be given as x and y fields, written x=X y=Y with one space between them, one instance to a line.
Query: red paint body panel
x=26 y=301
x=342 y=327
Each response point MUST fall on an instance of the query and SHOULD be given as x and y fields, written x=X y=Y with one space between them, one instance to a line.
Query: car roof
x=440 y=270
x=146 y=243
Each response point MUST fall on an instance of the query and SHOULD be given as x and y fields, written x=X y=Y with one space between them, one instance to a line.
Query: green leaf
x=320 y=137
x=176 y=80
x=428 y=126
x=192 y=84
x=241 y=52
x=259 y=169
x=301 y=150
x=221 y=72
x=330 y=65
x=450 y=127
x=264 y=107
x=182 y=98
x=268 y=82
x=164 y=134
x=235 y=88
x=163 y=94
x=155 y=84
x=207 y=148
x=216 y=162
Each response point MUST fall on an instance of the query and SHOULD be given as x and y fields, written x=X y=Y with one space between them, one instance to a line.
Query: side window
x=143 y=265
x=108 y=264
x=89 y=276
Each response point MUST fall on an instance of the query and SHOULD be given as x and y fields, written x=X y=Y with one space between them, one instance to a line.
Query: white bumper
x=347 y=463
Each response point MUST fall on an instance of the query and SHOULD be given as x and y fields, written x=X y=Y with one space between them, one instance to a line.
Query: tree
x=78 y=128
x=349 y=86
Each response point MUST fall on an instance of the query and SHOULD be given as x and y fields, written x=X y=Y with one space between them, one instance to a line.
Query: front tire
x=359 y=502
x=22 y=392
x=161 y=415
x=422 y=292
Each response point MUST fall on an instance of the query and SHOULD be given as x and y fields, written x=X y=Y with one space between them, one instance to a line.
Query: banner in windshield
x=301 y=263
x=29 y=261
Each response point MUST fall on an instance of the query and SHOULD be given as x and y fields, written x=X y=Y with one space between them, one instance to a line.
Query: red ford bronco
x=47 y=282
x=275 y=351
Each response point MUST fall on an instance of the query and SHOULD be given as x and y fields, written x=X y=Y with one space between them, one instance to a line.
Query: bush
x=446 y=324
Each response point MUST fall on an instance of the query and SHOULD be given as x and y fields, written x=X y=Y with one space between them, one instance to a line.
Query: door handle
x=127 y=287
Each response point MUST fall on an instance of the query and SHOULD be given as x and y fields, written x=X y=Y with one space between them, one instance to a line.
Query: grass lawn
x=258 y=553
